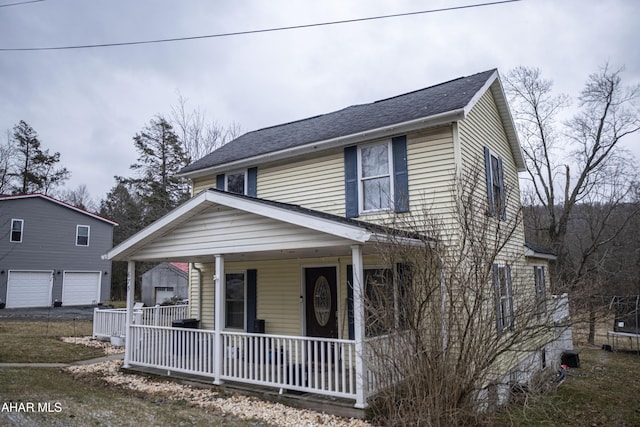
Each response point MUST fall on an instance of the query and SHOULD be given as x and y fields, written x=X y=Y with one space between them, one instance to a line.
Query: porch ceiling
x=243 y=228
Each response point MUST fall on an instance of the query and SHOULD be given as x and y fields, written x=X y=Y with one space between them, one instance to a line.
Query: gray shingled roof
x=442 y=98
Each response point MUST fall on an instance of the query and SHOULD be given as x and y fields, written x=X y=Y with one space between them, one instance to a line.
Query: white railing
x=173 y=349
x=316 y=365
x=109 y=322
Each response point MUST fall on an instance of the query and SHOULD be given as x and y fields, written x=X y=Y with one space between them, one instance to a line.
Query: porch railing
x=316 y=365
x=108 y=322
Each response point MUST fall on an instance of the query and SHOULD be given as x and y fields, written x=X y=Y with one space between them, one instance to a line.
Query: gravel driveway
x=48 y=314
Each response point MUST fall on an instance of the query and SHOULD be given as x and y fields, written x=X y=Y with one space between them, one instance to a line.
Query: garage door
x=29 y=288
x=81 y=288
x=163 y=294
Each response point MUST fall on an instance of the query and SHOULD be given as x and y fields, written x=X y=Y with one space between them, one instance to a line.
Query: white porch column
x=131 y=287
x=219 y=280
x=358 y=326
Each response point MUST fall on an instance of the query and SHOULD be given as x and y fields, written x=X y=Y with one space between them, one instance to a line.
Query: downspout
x=199 y=290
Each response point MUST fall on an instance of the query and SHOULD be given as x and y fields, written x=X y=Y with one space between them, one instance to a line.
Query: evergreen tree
x=161 y=156
x=35 y=170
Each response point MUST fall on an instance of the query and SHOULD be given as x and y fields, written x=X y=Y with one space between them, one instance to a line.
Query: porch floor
x=327 y=404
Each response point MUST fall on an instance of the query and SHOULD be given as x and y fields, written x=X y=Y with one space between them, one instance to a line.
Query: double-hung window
x=504 y=298
x=495 y=185
x=376 y=178
x=541 y=291
x=235 y=300
x=236 y=182
x=82 y=235
x=17 y=225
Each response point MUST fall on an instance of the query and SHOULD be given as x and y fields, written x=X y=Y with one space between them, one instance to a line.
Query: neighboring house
x=285 y=224
x=166 y=281
x=51 y=252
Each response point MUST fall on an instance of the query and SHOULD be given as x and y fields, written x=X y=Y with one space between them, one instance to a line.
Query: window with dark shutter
x=496 y=199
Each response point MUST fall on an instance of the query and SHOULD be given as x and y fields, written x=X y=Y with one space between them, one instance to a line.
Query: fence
x=110 y=322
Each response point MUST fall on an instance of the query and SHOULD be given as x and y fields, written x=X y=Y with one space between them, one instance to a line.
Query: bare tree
x=456 y=320
x=198 y=135
x=80 y=197
x=6 y=160
x=577 y=162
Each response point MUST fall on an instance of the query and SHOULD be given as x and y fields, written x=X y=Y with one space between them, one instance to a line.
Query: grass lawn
x=604 y=391
x=38 y=342
x=83 y=403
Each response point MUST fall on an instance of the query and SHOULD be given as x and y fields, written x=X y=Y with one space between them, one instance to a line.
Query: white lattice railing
x=109 y=322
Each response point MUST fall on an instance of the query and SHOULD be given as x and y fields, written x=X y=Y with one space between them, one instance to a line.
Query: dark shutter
x=487 y=166
x=511 y=313
x=252 y=306
x=405 y=277
x=252 y=182
x=220 y=181
x=503 y=200
x=352 y=333
x=400 y=175
x=351 y=181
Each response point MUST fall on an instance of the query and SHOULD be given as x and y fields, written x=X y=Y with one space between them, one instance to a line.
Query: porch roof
x=244 y=228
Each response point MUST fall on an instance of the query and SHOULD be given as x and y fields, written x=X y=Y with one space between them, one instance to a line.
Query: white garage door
x=29 y=288
x=81 y=288
x=163 y=294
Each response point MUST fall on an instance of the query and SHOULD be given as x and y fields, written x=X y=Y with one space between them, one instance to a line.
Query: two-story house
x=52 y=252
x=286 y=222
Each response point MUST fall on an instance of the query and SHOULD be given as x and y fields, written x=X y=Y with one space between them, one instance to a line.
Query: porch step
x=314 y=402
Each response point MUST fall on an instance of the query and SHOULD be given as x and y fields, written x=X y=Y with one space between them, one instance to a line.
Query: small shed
x=165 y=281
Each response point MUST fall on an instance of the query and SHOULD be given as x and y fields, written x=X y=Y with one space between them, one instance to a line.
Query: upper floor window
x=234 y=300
x=17 y=226
x=236 y=182
x=541 y=291
x=504 y=298
x=495 y=185
x=375 y=177
x=82 y=235
x=239 y=182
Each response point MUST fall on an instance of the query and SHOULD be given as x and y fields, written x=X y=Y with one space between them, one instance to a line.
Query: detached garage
x=29 y=288
x=81 y=288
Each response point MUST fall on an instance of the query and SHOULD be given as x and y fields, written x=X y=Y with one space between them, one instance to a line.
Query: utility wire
x=267 y=30
x=20 y=3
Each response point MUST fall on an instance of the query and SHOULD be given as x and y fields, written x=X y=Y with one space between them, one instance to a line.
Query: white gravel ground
x=92 y=342
x=236 y=405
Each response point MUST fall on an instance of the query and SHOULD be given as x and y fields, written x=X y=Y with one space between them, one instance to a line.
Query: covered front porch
x=278 y=291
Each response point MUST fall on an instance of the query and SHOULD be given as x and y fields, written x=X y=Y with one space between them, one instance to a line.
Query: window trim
x=508 y=298
x=491 y=196
x=539 y=276
x=390 y=174
x=244 y=309
x=15 y=220
x=244 y=172
x=78 y=234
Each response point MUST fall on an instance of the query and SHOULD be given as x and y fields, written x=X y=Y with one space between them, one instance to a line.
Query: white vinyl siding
x=233 y=231
x=204 y=183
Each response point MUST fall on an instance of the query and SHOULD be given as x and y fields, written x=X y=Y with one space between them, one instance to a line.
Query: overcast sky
x=89 y=103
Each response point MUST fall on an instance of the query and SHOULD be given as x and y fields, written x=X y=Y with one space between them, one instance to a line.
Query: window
x=235 y=183
x=379 y=306
x=503 y=294
x=375 y=177
x=16 y=230
x=495 y=185
x=82 y=235
x=541 y=291
x=234 y=300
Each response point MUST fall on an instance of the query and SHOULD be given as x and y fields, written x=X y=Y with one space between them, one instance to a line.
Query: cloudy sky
x=89 y=103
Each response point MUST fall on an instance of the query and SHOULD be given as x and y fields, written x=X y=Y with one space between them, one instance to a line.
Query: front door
x=321 y=303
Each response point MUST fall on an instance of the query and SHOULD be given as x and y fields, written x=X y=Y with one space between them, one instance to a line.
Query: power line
x=20 y=3
x=267 y=30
